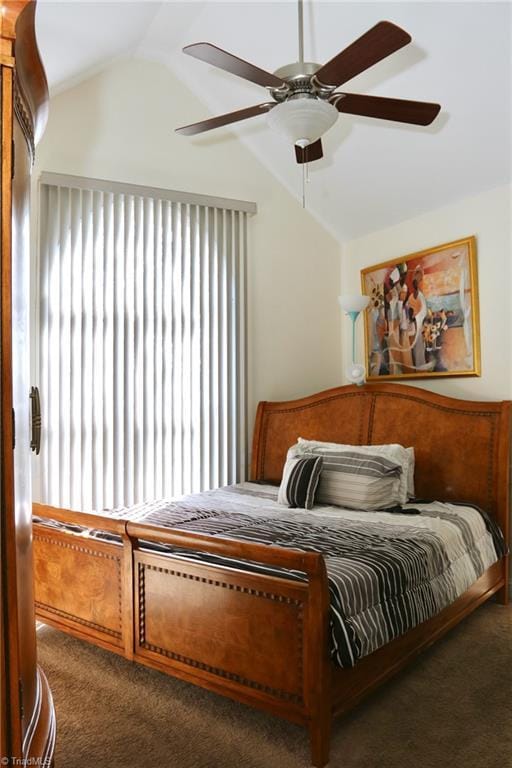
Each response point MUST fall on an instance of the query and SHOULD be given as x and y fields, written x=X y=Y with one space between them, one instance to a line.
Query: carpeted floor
x=452 y=708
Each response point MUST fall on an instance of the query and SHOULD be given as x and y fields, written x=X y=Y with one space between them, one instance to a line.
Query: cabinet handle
x=35 y=442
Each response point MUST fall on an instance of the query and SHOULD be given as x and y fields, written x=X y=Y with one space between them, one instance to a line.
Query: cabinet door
x=11 y=721
x=21 y=404
x=27 y=722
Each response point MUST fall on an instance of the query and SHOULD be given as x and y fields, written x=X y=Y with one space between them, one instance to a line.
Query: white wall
x=489 y=217
x=119 y=125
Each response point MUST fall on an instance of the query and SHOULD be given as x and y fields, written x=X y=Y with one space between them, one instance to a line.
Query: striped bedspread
x=387 y=571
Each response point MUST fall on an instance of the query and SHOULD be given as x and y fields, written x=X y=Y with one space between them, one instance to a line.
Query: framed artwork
x=422 y=320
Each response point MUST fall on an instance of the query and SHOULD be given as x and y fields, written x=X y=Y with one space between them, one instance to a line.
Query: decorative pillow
x=357 y=480
x=393 y=451
x=299 y=482
x=410 y=473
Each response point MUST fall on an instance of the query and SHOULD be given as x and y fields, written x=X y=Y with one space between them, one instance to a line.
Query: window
x=141 y=343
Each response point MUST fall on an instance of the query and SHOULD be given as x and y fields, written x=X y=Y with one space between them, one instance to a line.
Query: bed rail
x=292 y=559
x=84 y=519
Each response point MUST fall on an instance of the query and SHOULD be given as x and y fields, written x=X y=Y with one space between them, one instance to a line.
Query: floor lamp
x=353 y=305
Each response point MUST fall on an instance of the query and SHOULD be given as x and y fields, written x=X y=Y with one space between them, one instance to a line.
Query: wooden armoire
x=27 y=720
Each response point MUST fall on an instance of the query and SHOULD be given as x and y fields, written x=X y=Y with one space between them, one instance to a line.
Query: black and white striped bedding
x=387 y=571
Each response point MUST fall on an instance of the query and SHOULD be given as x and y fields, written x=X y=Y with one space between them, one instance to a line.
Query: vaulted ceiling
x=374 y=173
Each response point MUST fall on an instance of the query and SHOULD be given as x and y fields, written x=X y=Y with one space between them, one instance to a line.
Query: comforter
x=388 y=571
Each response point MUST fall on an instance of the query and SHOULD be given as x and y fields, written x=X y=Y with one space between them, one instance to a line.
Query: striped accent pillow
x=393 y=451
x=299 y=482
x=358 y=480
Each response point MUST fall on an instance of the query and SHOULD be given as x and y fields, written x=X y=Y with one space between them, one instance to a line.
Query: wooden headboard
x=462 y=447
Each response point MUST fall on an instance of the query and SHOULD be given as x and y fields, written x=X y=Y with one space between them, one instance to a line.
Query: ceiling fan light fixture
x=302 y=120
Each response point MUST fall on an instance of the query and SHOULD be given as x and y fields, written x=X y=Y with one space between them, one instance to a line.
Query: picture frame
x=423 y=316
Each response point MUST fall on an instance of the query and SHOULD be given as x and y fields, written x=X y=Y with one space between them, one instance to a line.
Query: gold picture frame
x=423 y=316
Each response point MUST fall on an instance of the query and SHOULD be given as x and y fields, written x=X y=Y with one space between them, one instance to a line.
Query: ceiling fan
x=305 y=101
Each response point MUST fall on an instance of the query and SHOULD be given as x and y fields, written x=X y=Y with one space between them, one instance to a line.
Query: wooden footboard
x=201 y=625
x=82 y=585
x=79 y=585
x=254 y=637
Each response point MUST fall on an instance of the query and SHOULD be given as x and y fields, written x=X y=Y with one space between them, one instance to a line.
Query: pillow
x=393 y=451
x=356 y=480
x=299 y=482
x=409 y=471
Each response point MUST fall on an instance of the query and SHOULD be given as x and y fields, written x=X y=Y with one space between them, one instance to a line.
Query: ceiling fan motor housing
x=303 y=113
x=300 y=81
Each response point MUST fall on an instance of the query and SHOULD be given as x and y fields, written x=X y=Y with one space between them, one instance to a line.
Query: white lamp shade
x=353 y=302
x=302 y=120
x=355 y=373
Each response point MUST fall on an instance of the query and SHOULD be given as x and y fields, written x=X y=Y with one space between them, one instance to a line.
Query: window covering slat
x=141 y=346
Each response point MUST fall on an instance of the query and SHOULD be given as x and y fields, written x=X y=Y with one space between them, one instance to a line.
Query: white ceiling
x=374 y=173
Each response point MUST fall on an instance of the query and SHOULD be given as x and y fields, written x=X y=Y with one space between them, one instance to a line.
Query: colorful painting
x=422 y=319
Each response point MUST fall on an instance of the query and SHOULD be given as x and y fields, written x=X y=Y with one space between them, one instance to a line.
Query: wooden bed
x=260 y=639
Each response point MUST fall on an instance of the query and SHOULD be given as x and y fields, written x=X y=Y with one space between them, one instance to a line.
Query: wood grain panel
x=455 y=448
x=223 y=622
x=340 y=418
x=93 y=579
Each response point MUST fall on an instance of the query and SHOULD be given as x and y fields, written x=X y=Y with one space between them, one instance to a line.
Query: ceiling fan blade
x=400 y=110
x=380 y=41
x=220 y=120
x=312 y=152
x=224 y=60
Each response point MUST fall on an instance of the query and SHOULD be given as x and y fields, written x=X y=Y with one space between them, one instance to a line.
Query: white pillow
x=353 y=479
x=392 y=451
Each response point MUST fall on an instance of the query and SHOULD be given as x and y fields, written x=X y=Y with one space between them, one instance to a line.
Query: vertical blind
x=141 y=348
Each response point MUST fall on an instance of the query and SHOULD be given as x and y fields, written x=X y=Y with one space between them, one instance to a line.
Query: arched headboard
x=462 y=447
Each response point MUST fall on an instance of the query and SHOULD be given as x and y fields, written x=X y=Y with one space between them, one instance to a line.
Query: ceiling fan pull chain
x=304 y=185
x=301 y=31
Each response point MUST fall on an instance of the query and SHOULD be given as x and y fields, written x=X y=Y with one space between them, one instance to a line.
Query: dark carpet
x=451 y=708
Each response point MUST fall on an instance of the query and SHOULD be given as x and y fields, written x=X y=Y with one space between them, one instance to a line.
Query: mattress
x=387 y=571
